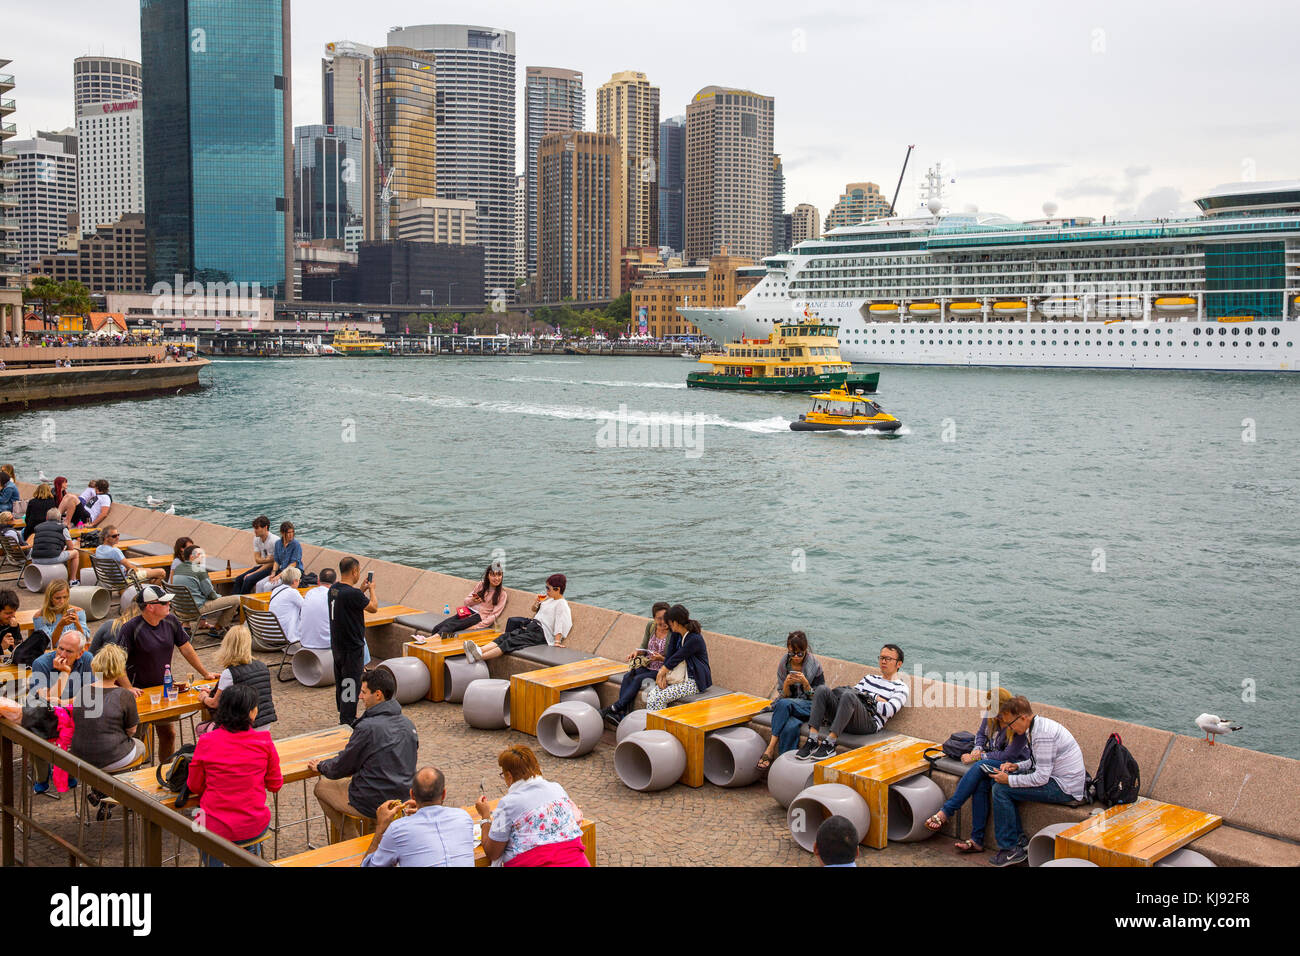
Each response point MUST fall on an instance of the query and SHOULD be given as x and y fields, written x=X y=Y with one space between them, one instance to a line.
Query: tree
x=620 y=309
x=70 y=296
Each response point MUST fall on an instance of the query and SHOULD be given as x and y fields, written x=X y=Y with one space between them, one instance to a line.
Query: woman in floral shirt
x=535 y=823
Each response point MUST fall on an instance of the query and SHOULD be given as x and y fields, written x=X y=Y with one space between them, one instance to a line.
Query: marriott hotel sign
x=120 y=106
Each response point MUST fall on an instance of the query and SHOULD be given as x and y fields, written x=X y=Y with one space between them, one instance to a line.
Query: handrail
x=156 y=818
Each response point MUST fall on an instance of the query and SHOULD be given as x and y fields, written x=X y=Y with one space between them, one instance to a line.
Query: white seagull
x=41 y=477
x=1213 y=724
x=155 y=502
x=170 y=511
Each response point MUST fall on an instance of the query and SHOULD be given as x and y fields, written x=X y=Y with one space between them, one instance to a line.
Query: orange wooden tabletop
x=222 y=576
x=714 y=712
x=1135 y=834
x=9 y=672
x=151 y=561
x=576 y=674
x=389 y=613
x=451 y=646
x=259 y=600
x=185 y=703
x=887 y=760
x=315 y=745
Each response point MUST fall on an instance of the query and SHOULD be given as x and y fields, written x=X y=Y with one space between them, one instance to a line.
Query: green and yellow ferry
x=798 y=357
x=354 y=342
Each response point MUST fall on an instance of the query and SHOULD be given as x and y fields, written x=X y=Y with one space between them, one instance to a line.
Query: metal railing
x=155 y=819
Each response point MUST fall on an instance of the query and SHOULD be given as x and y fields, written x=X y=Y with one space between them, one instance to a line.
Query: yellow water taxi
x=352 y=342
x=837 y=410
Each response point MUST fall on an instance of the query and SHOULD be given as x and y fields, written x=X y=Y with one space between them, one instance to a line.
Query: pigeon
x=170 y=511
x=155 y=502
x=1213 y=724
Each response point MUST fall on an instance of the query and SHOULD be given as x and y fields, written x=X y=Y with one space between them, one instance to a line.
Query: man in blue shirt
x=428 y=835
x=64 y=670
x=109 y=550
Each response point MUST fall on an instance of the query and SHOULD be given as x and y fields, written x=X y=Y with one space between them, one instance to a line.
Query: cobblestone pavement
x=680 y=826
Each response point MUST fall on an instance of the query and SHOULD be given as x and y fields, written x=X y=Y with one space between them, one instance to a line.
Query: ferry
x=837 y=410
x=352 y=342
x=800 y=356
x=1219 y=291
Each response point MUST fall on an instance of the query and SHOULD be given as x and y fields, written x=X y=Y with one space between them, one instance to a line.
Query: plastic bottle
x=446 y=610
x=168 y=692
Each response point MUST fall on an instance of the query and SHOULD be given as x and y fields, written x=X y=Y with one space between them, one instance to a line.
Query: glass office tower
x=218 y=158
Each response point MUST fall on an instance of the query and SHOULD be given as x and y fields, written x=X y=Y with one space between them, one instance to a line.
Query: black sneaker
x=612 y=717
x=824 y=749
x=1017 y=854
x=805 y=751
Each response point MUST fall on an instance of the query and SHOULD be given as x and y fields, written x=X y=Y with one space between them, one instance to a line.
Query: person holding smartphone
x=348 y=605
x=797 y=674
x=645 y=660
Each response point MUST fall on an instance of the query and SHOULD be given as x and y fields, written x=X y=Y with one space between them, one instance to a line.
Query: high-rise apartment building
x=403 y=110
x=11 y=296
x=554 y=102
x=859 y=202
x=328 y=195
x=672 y=180
x=805 y=223
x=218 y=153
x=627 y=108
x=779 y=241
x=474 y=71
x=110 y=162
x=729 y=173
x=429 y=219
x=111 y=259
x=521 y=228
x=346 y=71
x=103 y=79
x=580 y=216
x=46 y=190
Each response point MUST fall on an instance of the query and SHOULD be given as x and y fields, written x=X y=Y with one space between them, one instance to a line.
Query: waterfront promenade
x=101 y=373
x=1257 y=794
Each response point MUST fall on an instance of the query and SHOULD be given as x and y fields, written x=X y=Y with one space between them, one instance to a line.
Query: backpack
x=309 y=580
x=175 y=773
x=1118 y=778
x=33 y=646
x=958 y=743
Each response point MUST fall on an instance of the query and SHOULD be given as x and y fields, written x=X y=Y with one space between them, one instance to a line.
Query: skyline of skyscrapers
x=218 y=141
x=110 y=162
x=327 y=184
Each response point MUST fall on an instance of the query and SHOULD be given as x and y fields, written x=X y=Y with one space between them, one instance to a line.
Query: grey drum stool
x=788 y=777
x=460 y=673
x=314 y=666
x=92 y=599
x=412 y=678
x=570 y=728
x=633 y=723
x=1186 y=857
x=37 y=577
x=821 y=801
x=1042 y=845
x=486 y=704
x=731 y=756
x=1069 y=861
x=649 y=760
x=587 y=695
x=911 y=803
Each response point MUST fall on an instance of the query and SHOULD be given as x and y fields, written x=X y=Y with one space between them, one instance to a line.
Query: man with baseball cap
x=149 y=641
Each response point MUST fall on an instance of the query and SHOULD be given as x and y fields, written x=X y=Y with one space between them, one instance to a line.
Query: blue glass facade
x=672 y=179
x=215 y=164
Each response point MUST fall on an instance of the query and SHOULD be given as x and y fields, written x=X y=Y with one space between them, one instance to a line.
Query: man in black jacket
x=378 y=764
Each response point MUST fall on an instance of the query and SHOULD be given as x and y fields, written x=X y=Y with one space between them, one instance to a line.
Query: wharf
x=102 y=374
x=1257 y=794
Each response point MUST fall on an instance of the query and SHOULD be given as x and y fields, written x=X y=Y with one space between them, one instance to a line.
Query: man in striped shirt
x=860 y=709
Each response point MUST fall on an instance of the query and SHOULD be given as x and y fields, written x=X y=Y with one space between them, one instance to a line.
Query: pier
x=31 y=380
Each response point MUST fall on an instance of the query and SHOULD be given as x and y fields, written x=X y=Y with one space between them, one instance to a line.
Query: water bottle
x=168 y=692
x=446 y=610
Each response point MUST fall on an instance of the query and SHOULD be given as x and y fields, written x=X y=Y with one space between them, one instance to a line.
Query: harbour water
x=1120 y=543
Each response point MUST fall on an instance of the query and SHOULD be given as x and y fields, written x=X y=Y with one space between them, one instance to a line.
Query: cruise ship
x=1220 y=291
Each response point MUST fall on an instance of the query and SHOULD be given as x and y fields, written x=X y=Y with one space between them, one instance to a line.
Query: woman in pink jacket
x=232 y=769
x=485 y=604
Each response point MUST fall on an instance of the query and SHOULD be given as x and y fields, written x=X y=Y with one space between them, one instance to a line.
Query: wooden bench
x=1134 y=834
x=533 y=691
x=689 y=723
x=870 y=770
x=435 y=653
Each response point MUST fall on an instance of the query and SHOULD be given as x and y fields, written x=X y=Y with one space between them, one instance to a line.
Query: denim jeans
x=632 y=686
x=205 y=860
x=1006 y=815
x=973 y=786
x=788 y=715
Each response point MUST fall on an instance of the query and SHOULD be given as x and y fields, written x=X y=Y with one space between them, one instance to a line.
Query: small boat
x=1061 y=308
x=1175 y=304
x=884 y=308
x=964 y=307
x=837 y=410
x=1007 y=308
x=924 y=308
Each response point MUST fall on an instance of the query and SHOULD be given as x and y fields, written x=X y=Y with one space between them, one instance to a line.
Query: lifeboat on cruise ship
x=1009 y=308
x=883 y=308
x=1179 y=303
x=924 y=308
x=1061 y=308
x=962 y=308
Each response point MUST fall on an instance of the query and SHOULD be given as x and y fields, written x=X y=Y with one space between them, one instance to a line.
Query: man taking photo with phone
x=348 y=605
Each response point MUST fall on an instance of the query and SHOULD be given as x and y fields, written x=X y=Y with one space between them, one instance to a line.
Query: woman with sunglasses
x=797 y=674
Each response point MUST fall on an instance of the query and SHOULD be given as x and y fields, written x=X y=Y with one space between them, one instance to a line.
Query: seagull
x=1213 y=724
x=155 y=502
x=170 y=511
x=42 y=477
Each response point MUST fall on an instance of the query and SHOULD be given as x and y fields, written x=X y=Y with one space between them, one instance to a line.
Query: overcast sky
x=1117 y=108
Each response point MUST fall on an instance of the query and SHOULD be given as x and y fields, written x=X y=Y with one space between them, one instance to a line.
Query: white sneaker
x=472 y=651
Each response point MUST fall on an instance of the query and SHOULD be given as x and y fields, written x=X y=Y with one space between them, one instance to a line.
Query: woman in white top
x=550 y=624
x=535 y=823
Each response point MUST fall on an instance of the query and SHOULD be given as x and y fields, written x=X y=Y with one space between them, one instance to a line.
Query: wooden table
x=224 y=577
x=435 y=653
x=15 y=674
x=352 y=852
x=870 y=770
x=170 y=709
x=532 y=692
x=151 y=561
x=389 y=613
x=689 y=723
x=1134 y=834
x=259 y=600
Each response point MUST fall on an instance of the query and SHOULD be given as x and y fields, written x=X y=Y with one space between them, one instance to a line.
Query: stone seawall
x=22 y=389
x=1257 y=794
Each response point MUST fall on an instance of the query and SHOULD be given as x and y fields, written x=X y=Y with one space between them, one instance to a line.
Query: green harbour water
x=1105 y=541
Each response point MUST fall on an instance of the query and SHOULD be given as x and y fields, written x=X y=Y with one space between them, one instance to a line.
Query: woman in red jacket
x=232 y=769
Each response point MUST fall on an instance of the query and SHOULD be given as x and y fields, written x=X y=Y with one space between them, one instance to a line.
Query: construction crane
x=901 y=173
x=386 y=192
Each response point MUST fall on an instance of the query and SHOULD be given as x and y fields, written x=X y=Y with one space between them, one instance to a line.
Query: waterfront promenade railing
x=154 y=819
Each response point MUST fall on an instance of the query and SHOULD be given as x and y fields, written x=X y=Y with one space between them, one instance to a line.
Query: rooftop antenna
x=901 y=173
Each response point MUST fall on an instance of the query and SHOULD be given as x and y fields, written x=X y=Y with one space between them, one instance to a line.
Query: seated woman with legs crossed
x=685 y=671
x=645 y=660
x=483 y=606
x=550 y=624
